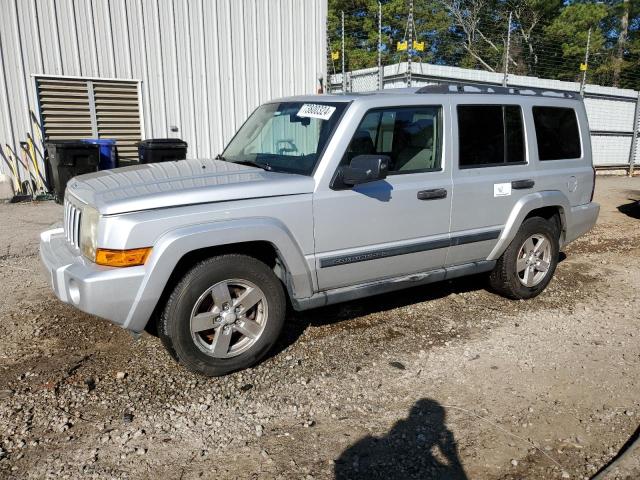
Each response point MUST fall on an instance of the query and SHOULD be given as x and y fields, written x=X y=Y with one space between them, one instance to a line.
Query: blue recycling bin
x=108 y=156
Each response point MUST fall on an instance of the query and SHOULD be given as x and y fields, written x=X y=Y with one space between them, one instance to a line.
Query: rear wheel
x=526 y=267
x=224 y=315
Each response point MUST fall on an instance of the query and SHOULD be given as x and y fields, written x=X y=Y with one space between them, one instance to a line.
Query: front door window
x=410 y=136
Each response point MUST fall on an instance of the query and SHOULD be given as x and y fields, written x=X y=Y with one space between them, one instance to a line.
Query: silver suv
x=323 y=199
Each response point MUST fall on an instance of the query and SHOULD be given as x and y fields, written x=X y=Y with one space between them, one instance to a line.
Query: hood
x=184 y=182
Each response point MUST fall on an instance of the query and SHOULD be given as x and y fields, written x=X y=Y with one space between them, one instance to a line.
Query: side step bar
x=353 y=292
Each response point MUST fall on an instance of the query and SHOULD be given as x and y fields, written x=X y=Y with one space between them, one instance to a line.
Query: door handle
x=522 y=184
x=432 y=194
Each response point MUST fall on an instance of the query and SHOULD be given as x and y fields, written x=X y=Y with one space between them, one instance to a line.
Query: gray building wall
x=204 y=65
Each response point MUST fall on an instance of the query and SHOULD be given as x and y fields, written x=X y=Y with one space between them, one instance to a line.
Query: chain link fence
x=375 y=47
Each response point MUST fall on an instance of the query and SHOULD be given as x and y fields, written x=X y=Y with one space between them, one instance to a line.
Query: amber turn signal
x=122 y=258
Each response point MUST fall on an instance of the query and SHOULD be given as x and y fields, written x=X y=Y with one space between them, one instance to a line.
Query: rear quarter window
x=557 y=133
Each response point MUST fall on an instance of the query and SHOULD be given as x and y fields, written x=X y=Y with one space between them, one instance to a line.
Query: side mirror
x=365 y=169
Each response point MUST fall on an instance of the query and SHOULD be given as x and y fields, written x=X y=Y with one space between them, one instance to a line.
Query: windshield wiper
x=251 y=163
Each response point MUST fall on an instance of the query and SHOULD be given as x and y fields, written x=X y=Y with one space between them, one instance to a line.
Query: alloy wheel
x=228 y=318
x=534 y=260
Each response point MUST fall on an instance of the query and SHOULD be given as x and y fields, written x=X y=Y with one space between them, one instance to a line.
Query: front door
x=390 y=227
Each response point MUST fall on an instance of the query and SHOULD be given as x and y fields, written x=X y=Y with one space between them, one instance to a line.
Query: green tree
x=361 y=31
x=548 y=37
x=566 y=39
x=626 y=50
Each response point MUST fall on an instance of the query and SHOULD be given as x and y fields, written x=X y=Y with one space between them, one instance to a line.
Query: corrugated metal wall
x=204 y=64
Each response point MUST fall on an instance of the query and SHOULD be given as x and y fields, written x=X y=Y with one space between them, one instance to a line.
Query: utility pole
x=410 y=47
x=344 y=74
x=506 y=53
x=586 y=64
x=327 y=88
x=634 y=137
x=380 y=72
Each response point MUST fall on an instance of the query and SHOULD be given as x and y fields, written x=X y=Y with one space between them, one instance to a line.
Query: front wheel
x=224 y=315
x=526 y=267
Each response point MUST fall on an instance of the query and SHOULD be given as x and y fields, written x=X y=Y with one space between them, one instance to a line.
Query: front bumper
x=106 y=292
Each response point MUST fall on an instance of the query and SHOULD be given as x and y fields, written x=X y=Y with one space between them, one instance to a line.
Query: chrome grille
x=72 y=216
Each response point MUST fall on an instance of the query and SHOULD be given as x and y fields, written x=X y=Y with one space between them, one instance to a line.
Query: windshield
x=286 y=136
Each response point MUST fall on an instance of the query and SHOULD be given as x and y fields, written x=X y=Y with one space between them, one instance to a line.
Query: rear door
x=491 y=172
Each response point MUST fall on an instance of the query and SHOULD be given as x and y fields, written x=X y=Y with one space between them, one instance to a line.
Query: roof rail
x=490 y=89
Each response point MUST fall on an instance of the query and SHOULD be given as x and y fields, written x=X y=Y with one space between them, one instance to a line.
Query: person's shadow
x=418 y=447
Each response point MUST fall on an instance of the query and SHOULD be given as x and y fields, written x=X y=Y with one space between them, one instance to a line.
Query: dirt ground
x=443 y=381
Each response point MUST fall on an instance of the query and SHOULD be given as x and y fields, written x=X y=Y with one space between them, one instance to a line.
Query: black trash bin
x=156 y=150
x=67 y=159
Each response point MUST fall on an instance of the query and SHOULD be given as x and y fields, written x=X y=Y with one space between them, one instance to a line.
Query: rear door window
x=557 y=133
x=490 y=135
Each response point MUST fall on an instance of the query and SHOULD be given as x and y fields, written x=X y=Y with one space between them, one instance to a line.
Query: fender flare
x=528 y=203
x=175 y=244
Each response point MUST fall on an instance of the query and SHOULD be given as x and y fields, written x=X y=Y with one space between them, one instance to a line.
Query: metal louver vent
x=118 y=115
x=64 y=107
x=92 y=108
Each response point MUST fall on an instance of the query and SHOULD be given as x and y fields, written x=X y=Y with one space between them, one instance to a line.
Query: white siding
x=204 y=64
x=610 y=115
x=610 y=150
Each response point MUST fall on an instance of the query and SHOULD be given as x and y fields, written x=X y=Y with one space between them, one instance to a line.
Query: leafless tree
x=527 y=19
x=468 y=16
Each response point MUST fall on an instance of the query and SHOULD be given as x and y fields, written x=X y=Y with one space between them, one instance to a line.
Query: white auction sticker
x=314 y=110
x=501 y=189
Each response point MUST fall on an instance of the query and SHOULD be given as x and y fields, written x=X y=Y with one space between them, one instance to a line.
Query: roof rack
x=490 y=89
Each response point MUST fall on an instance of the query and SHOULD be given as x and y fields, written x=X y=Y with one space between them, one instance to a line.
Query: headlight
x=89 y=232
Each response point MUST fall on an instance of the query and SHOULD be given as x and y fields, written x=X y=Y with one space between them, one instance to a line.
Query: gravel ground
x=443 y=381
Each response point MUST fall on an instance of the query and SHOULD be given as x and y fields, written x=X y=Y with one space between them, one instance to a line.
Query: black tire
x=174 y=325
x=505 y=280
